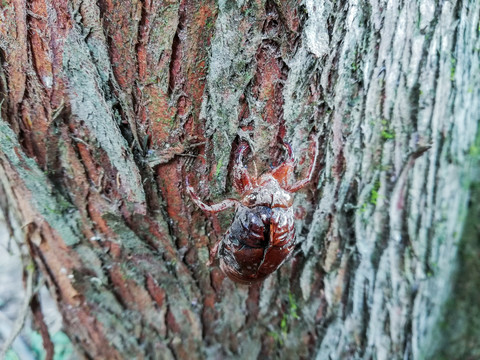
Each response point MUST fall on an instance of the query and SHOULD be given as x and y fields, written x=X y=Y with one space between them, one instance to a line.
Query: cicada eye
x=252 y=198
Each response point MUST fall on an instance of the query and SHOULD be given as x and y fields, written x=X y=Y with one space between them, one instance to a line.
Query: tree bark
x=106 y=106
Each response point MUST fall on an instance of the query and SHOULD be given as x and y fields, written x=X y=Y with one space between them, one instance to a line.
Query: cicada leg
x=282 y=172
x=213 y=252
x=241 y=178
x=214 y=208
x=300 y=184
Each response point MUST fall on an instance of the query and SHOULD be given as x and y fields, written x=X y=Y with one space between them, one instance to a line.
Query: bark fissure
x=105 y=108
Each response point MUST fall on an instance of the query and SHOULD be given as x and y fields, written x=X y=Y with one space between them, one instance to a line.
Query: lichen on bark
x=102 y=119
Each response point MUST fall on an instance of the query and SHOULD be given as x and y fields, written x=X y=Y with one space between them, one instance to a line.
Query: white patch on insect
x=47 y=81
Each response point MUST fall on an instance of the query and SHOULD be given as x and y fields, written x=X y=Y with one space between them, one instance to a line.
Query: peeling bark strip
x=107 y=105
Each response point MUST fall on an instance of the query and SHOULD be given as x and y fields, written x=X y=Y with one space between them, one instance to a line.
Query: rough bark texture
x=107 y=105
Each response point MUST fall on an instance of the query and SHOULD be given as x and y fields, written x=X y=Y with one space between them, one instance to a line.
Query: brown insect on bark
x=262 y=234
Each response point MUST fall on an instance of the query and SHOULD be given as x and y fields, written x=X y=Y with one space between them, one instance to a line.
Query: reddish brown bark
x=107 y=105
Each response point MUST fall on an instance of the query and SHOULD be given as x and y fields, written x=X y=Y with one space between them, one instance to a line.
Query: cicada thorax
x=257 y=243
x=261 y=236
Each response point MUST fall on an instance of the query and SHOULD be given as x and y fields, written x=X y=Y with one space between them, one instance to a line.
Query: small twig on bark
x=42 y=327
x=17 y=327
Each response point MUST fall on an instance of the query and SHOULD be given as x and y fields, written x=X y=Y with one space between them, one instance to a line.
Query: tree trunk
x=106 y=106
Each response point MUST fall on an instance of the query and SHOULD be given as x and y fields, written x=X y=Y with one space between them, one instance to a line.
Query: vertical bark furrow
x=108 y=101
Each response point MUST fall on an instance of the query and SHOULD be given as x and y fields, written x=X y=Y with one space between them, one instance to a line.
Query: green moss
x=276 y=336
x=387 y=135
x=287 y=320
x=210 y=23
x=362 y=208
x=293 y=306
x=453 y=63
x=386 y=132
x=374 y=195
x=474 y=150
x=219 y=167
